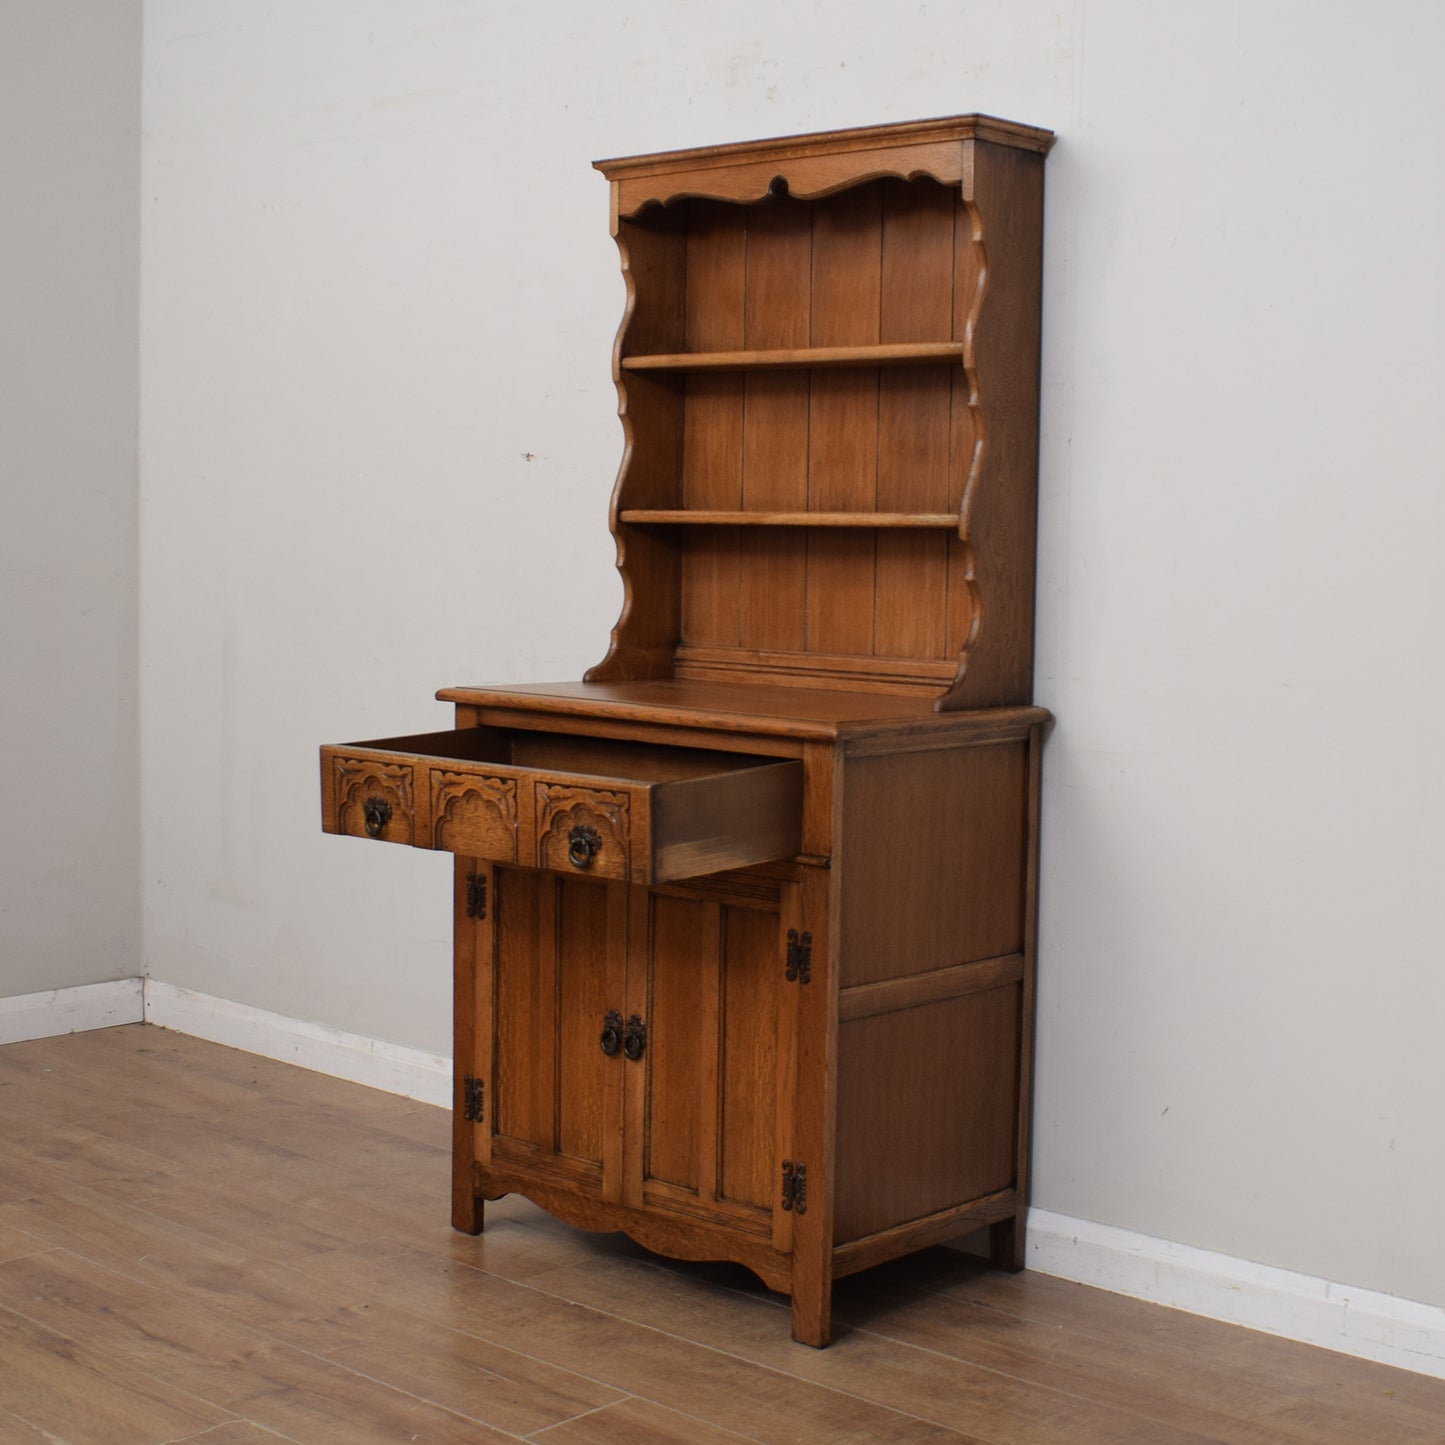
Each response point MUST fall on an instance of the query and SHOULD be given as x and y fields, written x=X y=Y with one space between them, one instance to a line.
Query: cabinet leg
x=468 y=1213
x=1006 y=1244
x=468 y=1207
x=812 y=1313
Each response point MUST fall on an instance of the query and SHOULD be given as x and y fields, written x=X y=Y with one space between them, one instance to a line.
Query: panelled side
x=1003 y=215
x=936 y=955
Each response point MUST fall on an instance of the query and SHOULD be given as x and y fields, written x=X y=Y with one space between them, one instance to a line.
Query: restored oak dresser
x=744 y=920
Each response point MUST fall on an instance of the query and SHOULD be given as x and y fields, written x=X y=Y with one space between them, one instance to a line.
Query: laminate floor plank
x=111 y=1072
x=637 y=1422
x=962 y=1396
x=633 y=1358
x=506 y=1388
x=147 y=1333
x=15 y=1431
x=237 y=1432
x=76 y=1153
x=275 y=1219
x=15 y=1242
x=51 y=1382
x=1236 y=1361
x=331 y=1135
x=197 y=1244
x=170 y=1128
x=128 y=1240
x=1157 y=1381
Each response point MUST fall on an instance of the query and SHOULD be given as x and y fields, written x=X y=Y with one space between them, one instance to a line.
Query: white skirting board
x=379 y=1065
x=1358 y=1322
x=70 y=1010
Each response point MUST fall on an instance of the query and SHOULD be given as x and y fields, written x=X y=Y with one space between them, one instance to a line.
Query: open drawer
x=626 y=810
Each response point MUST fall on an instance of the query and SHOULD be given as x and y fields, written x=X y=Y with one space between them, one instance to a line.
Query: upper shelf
x=697 y=516
x=800 y=357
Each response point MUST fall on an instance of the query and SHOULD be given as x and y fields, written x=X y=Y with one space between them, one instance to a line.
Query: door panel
x=584 y=1072
x=748 y=1057
x=524 y=1003
x=557 y=969
x=682 y=996
x=707 y=1111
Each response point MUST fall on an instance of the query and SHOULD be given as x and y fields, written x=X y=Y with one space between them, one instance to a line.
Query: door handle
x=634 y=1040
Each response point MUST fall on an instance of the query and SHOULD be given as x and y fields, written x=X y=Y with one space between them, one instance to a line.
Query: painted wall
x=69 y=269
x=379 y=438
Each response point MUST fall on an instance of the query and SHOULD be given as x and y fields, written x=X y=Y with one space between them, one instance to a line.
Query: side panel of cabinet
x=551 y=968
x=939 y=854
x=709 y=1103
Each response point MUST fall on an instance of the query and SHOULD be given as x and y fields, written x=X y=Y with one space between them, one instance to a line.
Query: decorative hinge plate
x=800 y=956
x=473 y=1093
x=795 y=1187
x=476 y=895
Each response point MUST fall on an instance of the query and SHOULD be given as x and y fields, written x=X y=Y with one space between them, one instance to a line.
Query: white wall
x=379 y=438
x=69 y=249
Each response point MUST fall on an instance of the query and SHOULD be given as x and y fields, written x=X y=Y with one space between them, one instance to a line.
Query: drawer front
x=474 y=813
x=640 y=815
x=583 y=829
x=369 y=797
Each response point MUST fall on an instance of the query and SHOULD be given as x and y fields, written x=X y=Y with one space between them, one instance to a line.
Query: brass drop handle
x=635 y=1038
x=583 y=844
x=377 y=814
x=611 y=1032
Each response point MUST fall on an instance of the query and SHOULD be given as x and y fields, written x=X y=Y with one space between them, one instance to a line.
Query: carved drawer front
x=598 y=807
x=369 y=797
x=474 y=813
x=583 y=829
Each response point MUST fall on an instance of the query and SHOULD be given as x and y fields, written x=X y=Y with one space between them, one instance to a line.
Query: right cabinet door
x=709 y=1101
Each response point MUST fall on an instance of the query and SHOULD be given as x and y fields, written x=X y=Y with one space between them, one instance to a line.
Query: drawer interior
x=609 y=759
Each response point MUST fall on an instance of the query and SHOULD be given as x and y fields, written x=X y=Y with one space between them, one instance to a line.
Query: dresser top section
x=811 y=713
x=834 y=142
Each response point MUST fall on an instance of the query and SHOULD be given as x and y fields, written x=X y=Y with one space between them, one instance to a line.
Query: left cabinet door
x=546 y=967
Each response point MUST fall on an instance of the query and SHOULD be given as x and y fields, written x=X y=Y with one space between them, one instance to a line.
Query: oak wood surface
x=889 y=353
x=123 y=1324
x=944 y=521
x=857 y=335
x=729 y=706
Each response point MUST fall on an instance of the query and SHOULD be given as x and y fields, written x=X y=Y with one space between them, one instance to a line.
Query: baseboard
x=56 y=1011
x=390 y=1067
x=1359 y=1322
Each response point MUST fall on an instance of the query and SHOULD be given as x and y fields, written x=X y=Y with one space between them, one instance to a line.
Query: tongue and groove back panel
x=821 y=400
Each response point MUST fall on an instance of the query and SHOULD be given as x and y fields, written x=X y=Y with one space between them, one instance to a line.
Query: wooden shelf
x=912 y=353
x=697 y=517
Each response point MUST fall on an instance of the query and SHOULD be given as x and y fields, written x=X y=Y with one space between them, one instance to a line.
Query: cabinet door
x=708 y=1107
x=551 y=966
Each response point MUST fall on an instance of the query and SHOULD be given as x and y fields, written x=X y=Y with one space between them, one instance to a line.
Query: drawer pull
x=377 y=813
x=635 y=1039
x=583 y=845
x=611 y=1032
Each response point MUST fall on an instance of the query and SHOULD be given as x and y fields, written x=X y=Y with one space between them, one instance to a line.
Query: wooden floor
x=197 y=1244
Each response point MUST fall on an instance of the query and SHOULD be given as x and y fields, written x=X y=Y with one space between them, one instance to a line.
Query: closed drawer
x=612 y=809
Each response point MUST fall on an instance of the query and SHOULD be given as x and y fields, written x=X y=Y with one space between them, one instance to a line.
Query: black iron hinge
x=795 y=1187
x=476 y=895
x=800 y=956
x=473 y=1092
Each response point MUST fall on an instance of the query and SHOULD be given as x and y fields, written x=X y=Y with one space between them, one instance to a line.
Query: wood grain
x=775 y=420
x=712 y=456
x=954 y=893
x=795 y=358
